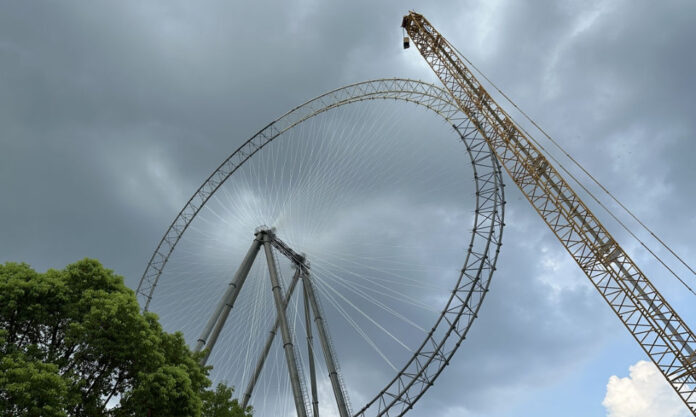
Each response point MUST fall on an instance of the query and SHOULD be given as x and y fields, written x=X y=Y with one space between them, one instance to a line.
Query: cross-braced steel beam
x=656 y=326
x=424 y=367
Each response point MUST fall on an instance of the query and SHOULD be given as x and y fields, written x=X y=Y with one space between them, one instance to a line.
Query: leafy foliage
x=219 y=403
x=74 y=343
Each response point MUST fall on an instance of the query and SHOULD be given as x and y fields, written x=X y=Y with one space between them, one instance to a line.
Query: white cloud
x=644 y=393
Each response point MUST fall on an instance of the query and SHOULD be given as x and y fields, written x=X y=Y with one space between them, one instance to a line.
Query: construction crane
x=654 y=324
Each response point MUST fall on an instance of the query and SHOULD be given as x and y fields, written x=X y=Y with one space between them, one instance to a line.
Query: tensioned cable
x=353 y=288
x=328 y=296
x=592 y=178
x=386 y=290
x=608 y=211
x=368 y=317
x=304 y=183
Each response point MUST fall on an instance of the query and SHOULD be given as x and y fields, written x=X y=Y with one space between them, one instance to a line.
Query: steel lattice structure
x=466 y=297
x=659 y=330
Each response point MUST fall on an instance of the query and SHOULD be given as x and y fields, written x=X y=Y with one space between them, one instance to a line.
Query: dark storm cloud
x=539 y=323
x=112 y=113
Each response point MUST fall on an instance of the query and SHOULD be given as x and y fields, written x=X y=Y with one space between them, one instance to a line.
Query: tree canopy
x=73 y=342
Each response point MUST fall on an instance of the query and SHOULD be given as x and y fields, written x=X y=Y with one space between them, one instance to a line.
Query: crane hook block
x=405 y=22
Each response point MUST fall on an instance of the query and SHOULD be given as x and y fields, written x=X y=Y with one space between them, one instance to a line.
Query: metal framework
x=269 y=341
x=470 y=287
x=266 y=237
x=659 y=330
x=217 y=320
x=310 y=351
x=288 y=347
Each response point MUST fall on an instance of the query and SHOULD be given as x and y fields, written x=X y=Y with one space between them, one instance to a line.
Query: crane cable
x=610 y=212
x=591 y=177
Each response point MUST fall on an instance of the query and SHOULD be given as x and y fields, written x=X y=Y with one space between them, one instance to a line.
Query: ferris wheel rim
x=409 y=384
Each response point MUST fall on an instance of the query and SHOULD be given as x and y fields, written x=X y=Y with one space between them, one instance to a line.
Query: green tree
x=219 y=403
x=74 y=343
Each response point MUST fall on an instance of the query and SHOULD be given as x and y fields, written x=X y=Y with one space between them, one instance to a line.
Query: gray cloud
x=111 y=114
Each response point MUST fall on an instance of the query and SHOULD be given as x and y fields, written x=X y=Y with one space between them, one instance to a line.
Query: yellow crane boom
x=654 y=324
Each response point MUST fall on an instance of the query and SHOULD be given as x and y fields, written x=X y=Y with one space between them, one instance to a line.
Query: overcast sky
x=112 y=113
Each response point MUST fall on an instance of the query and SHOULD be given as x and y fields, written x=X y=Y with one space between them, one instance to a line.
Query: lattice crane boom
x=659 y=330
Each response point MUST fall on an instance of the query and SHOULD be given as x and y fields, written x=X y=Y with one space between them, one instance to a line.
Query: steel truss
x=659 y=330
x=470 y=288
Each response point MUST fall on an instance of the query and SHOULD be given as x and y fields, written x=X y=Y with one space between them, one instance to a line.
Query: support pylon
x=209 y=336
x=269 y=342
x=227 y=302
x=329 y=356
x=310 y=349
x=288 y=346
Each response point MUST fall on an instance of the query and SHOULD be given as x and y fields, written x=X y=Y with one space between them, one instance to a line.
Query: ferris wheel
x=325 y=198
x=351 y=312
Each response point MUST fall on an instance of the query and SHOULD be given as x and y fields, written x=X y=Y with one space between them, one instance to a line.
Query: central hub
x=298 y=259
